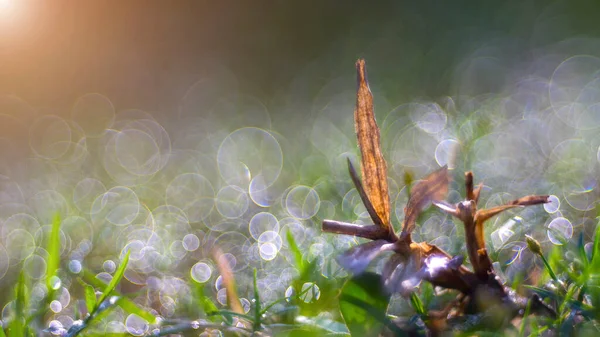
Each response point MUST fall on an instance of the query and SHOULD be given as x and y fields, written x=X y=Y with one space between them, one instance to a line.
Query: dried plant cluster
x=479 y=290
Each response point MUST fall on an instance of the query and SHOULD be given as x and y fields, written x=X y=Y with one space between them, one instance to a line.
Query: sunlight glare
x=5 y=4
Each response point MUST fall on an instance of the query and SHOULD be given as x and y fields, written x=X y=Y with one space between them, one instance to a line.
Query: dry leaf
x=431 y=188
x=374 y=171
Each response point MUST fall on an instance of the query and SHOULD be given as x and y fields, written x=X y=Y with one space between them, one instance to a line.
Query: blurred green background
x=166 y=127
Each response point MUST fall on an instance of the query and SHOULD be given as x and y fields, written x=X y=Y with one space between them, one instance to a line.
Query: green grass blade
x=295 y=251
x=524 y=320
x=581 y=247
x=17 y=325
x=417 y=304
x=53 y=251
x=257 y=310
x=132 y=308
x=115 y=280
x=595 y=251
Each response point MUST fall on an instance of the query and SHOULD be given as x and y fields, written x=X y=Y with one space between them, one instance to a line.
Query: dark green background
x=146 y=53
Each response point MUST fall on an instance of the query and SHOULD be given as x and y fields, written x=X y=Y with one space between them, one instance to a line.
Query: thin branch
x=469 y=185
x=363 y=195
x=476 y=193
x=372 y=232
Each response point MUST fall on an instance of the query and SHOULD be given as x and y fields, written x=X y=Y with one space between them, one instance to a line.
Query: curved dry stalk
x=233 y=300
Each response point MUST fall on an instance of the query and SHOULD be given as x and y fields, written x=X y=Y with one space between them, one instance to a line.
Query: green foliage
x=101 y=307
x=363 y=305
x=257 y=310
x=417 y=304
x=115 y=280
x=204 y=302
x=53 y=251
x=298 y=259
x=17 y=326
x=90 y=296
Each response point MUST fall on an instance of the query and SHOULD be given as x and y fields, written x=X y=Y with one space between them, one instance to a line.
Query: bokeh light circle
x=50 y=137
x=247 y=153
x=136 y=325
x=446 y=152
x=118 y=206
x=560 y=230
x=190 y=242
x=94 y=113
x=302 y=202
x=201 y=272
x=193 y=194
x=85 y=192
x=232 y=201
x=553 y=206
x=262 y=222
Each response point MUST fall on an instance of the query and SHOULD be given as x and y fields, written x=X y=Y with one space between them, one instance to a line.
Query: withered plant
x=480 y=291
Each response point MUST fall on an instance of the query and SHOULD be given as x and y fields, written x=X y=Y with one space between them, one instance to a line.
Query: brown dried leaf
x=374 y=171
x=433 y=187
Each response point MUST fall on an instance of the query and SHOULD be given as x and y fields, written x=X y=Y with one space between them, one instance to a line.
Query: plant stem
x=550 y=271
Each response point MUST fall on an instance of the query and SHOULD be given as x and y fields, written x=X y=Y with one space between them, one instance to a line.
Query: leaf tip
x=361 y=72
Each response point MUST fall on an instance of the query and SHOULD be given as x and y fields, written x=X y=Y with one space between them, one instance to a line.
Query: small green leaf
x=363 y=304
x=295 y=251
x=125 y=303
x=207 y=305
x=53 y=250
x=90 y=296
x=115 y=280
